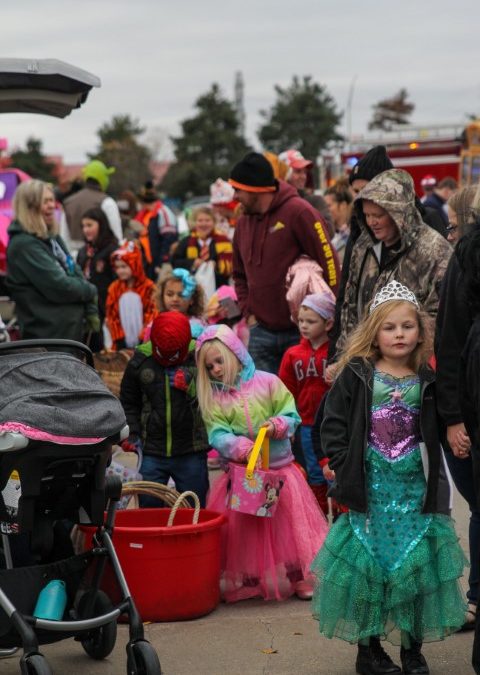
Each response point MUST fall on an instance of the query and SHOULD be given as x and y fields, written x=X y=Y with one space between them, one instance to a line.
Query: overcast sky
x=155 y=57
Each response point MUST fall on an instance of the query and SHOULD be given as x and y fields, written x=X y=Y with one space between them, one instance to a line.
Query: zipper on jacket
x=168 y=416
x=247 y=417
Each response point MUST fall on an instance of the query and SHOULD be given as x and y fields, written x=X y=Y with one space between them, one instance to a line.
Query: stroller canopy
x=45 y=86
x=57 y=394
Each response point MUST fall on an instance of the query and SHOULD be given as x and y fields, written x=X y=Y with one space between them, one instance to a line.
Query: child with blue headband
x=178 y=291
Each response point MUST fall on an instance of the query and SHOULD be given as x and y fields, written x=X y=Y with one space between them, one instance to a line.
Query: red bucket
x=173 y=572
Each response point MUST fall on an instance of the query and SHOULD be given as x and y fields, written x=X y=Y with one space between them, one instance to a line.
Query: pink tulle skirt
x=266 y=557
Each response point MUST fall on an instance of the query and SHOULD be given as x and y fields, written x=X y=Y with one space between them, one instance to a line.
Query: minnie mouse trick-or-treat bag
x=252 y=490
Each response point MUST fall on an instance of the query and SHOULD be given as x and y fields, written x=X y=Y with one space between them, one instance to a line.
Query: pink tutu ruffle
x=266 y=557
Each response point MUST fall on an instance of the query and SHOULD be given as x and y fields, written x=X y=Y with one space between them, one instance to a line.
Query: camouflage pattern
x=419 y=263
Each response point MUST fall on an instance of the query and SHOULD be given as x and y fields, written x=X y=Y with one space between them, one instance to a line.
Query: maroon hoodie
x=265 y=246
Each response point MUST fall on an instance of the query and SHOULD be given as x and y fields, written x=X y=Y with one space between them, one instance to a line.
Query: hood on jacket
x=14 y=228
x=233 y=343
x=394 y=191
x=130 y=253
x=284 y=193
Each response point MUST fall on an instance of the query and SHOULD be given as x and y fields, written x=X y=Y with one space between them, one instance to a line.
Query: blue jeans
x=314 y=472
x=462 y=474
x=267 y=347
x=190 y=472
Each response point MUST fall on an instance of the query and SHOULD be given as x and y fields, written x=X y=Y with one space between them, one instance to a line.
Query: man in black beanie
x=375 y=161
x=277 y=227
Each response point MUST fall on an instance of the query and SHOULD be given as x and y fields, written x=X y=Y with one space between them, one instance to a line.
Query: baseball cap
x=294 y=159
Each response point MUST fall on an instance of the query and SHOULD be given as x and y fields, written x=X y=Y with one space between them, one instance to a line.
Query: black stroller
x=57 y=425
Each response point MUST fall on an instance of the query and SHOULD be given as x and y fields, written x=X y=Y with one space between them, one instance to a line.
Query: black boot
x=413 y=661
x=374 y=660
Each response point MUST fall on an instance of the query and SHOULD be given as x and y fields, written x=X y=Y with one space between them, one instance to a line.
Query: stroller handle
x=48 y=344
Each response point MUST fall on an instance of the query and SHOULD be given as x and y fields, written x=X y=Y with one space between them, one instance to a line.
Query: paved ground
x=250 y=638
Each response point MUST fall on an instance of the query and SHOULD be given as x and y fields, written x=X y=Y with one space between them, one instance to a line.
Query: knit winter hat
x=375 y=161
x=170 y=336
x=253 y=173
x=321 y=303
x=99 y=172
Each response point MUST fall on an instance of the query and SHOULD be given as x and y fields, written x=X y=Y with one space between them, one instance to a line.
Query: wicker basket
x=111 y=366
x=166 y=494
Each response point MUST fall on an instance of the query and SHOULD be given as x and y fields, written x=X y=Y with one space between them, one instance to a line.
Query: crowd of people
x=344 y=327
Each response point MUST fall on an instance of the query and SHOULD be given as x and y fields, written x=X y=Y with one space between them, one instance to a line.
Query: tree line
x=303 y=116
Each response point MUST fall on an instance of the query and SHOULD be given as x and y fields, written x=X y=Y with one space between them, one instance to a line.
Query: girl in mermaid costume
x=389 y=568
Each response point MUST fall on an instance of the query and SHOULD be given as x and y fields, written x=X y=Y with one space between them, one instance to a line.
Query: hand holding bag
x=252 y=490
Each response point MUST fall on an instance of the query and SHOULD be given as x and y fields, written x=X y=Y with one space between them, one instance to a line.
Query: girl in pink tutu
x=261 y=557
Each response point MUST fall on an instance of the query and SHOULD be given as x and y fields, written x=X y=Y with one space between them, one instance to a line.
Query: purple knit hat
x=322 y=303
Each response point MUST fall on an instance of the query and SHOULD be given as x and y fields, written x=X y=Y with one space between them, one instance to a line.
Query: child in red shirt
x=303 y=372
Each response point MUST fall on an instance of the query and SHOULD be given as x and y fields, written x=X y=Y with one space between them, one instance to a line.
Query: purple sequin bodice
x=395 y=424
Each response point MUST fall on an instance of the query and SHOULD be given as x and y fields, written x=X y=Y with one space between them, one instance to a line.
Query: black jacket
x=469 y=395
x=432 y=217
x=167 y=419
x=345 y=431
x=454 y=320
x=101 y=273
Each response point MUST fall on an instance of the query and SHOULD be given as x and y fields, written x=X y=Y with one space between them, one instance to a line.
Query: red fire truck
x=438 y=150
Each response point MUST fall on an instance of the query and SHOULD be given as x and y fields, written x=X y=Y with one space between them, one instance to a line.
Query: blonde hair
x=361 y=343
x=27 y=207
x=231 y=369
x=198 y=304
x=206 y=210
x=464 y=206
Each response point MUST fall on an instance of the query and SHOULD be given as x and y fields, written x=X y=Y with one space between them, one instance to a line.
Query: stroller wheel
x=100 y=641
x=35 y=664
x=142 y=659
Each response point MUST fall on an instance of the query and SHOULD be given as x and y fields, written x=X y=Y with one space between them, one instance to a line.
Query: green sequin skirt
x=355 y=598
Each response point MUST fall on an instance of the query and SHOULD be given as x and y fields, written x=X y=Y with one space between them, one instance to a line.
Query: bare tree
x=392 y=111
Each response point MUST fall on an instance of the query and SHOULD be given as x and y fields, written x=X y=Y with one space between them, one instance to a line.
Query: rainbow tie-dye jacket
x=239 y=411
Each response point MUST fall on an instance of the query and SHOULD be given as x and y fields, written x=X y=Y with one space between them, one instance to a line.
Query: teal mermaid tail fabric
x=355 y=597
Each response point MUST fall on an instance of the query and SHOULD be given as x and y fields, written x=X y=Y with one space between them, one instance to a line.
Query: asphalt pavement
x=251 y=638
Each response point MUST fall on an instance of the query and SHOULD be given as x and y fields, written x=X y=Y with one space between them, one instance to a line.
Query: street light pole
x=349 y=111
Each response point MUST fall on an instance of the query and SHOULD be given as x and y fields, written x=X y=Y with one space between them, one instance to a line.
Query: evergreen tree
x=120 y=147
x=33 y=161
x=209 y=145
x=303 y=117
x=391 y=111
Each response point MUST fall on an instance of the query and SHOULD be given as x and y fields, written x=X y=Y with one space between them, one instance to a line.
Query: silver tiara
x=393 y=291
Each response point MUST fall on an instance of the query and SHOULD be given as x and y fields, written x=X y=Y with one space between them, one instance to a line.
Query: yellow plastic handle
x=262 y=443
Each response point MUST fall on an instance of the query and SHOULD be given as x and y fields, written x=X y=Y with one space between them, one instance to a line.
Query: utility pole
x=239 y=101
x=349 y=111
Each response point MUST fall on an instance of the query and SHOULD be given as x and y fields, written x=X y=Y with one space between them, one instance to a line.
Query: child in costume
x=266 y=557
x=178 y=291
x=130 y=306
x=205 y=243
x=302 y=371
x=389 y=567
x=158 y=396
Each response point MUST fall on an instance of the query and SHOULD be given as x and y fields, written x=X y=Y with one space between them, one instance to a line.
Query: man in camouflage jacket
x=418 y=259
